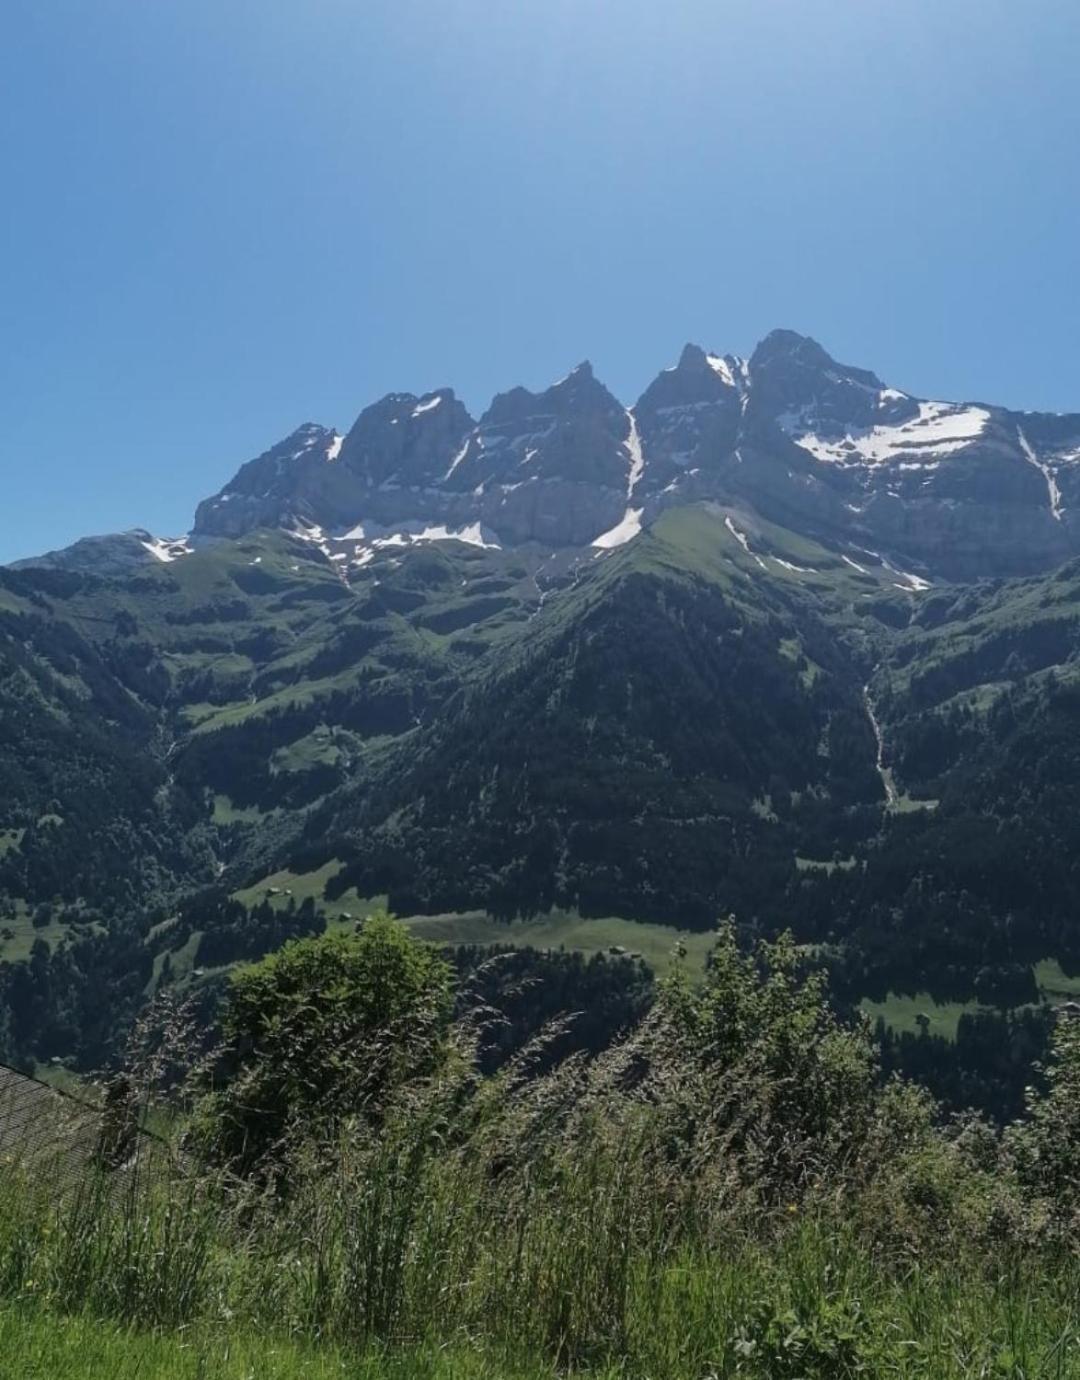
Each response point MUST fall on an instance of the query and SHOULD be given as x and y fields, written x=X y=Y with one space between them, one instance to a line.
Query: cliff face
x=955 y=491
x=958 y=489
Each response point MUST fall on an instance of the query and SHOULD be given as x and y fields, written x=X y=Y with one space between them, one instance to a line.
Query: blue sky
x=222 y=218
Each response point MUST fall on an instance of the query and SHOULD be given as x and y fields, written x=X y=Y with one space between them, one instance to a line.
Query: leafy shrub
x=322 y=1030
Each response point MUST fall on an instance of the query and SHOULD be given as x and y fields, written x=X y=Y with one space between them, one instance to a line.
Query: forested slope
x=674 y=730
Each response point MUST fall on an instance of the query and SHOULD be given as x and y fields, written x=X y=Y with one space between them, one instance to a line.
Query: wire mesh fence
x=51 y=1132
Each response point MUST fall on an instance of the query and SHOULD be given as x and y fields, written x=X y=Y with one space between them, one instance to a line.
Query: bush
x=1047 y=1145
x=791 y=1088
x=322 y=1030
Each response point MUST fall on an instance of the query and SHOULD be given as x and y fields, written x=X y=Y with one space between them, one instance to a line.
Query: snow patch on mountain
x=904 y=578
x=637 y=457
x=939 y=430
x=729 y=369
x=167 y=549
x=1047 y=472
x=473 y=535
x=459 y=457
x=376 y=538
x=622 y=532
x=744 y=542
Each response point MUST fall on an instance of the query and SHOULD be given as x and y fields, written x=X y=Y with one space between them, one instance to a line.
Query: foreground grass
x=727 y=1195
x=711 y=1323
x=154 y=1290
x=40 y=1345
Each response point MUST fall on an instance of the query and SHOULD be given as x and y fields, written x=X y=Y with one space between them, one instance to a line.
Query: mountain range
x=778 y=640
x=956 y=490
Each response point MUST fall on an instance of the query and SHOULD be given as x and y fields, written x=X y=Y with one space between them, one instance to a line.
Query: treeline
x=990 y=1066
x=51 y=1006
x=230 y=932
x=76 y=1002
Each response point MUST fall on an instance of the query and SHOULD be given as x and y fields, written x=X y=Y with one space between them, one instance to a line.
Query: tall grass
x=40 y=1345
x=600 y=1219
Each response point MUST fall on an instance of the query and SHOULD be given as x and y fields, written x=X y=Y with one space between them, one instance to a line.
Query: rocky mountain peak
x=790 y=357
x=553 y=466
x=699 y=377
x=580 y=393
x=269 y=490
x=787 y=345
x=114 y=554
x=796 y=435
x=795 y=378
x=406 y=439
x=693 y=360
x=689 y=419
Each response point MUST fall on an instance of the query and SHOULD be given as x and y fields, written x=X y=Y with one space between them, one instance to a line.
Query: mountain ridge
x=958 y=491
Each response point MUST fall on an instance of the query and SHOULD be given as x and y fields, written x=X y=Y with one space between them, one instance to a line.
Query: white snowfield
x=167 y=549
x=311 y=440
x=630 y=525
x=731 y=369
x=474 y=534
x=457 y=460
x=939 y=430
x=334 y=449
x=429 y=406
x=622 y=532
x=371 y=538
x=911 y=582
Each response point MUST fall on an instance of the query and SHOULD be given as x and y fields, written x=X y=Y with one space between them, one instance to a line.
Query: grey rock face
x=297 y=479
x=406 y=442
x=961 y=490
x=551 y=467
x=690 y=419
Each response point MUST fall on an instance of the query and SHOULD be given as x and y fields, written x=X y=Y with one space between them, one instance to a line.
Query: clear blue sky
x=222 y=218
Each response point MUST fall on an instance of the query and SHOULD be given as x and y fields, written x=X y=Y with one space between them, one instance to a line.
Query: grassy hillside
x=666 y=733
x=37 y=1344
x=615 y=757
